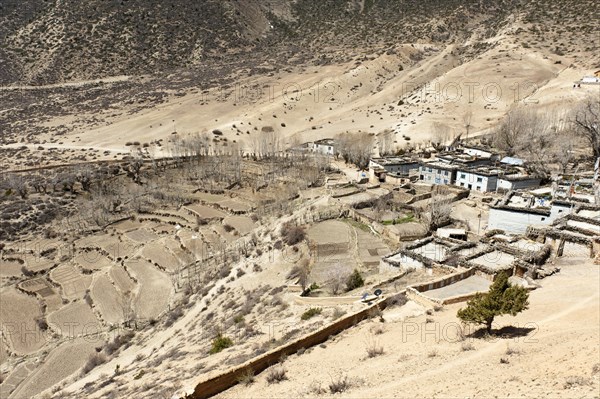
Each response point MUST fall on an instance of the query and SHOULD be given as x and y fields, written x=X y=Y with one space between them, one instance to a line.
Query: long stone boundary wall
x=418 y=294
x=228 y=379
x=444 y=281
x=421 y=299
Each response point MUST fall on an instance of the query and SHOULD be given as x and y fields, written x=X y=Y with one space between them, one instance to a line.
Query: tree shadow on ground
x=506 y=332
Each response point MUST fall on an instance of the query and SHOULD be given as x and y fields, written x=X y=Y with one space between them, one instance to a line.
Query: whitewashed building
x=437 y=173
x=480 y=179
x=516 y=220
x=324 y=146
x=394 y=167
x=517 y=182
x=479 y=152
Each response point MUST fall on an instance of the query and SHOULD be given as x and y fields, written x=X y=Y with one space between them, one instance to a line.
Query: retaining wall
x=421 y=299
x=444 y=281
x=228 y=379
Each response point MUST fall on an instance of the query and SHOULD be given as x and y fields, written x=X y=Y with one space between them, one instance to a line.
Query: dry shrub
x=292 y=234
x=375 y=312
x=247 y=377
x=339 y=384
x=276 y=375
x=374 y=349
x=467 y=346
x=173 y=316
x=512 y=351
x=315 y=388
x=397 y=300
x=311 y=313
x=377 y=330
x=118 y=342
x=94 y=360
x=41 y=323
x=220 y=343
x=575 y=381
x=337 y=313
x=432 y=353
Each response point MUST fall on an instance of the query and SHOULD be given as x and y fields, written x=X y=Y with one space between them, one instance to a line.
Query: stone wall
x=444 y=281
x=228 y=379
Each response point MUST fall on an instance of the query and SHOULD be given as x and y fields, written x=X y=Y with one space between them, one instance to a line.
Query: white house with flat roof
x=478 y=152
x=324 y=146
x=479 y=179
x=437 y=173
x=518 y=182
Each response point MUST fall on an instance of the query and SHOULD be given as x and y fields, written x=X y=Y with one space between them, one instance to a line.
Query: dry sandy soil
x=423 y=356
x=310 y=103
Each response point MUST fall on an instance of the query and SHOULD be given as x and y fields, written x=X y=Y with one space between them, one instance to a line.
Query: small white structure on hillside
x=324 y=146
x=478 y=152
x=590 y=80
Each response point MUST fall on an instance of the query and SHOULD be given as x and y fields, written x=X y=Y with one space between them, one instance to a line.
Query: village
x=298 y=198
x=493 y=215
x=301 y=233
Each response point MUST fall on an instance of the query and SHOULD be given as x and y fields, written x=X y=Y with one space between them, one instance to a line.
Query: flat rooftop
x=394 y=160
x=440 y=165
x=494 y=260
x=470 y=285
x=459 y=157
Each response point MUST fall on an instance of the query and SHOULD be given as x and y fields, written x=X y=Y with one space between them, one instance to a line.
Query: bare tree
x=39 y=183
x=586 y=120
x=385 y=142
x=355 y=148
x=66 y=180
x=441 y=135
x=507 y=135
x=381 y=205
x=310 y=168
x=18 y=184
x=438 y=210
x=564 y=146
x=536 y=142
x=85 y=176
x=266 y=144
x=127 y=307
x=134 y=167
x=301 y=272
x=337 y=277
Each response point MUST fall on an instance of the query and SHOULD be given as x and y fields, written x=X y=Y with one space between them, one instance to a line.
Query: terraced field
x=74 y=320
x=60 y=363
x=93 y=260
x=107 y=300
x=242 y=224
x=17 y=315
x=10 y=268
x=158 y=254
x=142 y=236
x=154 y=290
x=121 y=278
x=73 y=283
x=206 y=212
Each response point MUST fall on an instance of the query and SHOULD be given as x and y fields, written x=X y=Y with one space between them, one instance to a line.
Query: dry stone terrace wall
x=418 y=293
x=444 y=281
x=226 y=380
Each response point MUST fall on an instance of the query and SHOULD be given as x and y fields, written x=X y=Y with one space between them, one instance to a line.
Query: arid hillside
x=56 y=41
